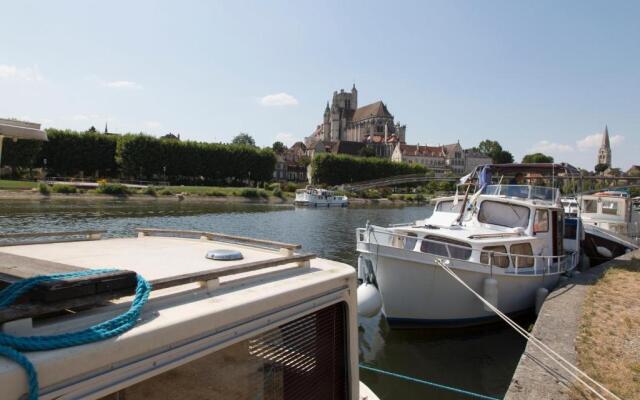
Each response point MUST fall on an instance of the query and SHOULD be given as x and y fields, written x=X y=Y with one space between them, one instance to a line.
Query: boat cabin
x=609 y=210
x=228 y=318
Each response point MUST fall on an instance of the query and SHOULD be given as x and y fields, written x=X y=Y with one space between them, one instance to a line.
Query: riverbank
x=579 y=322
x=184 y=196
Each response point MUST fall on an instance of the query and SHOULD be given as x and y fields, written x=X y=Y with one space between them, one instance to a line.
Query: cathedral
x=604 y=153
x=344 y=121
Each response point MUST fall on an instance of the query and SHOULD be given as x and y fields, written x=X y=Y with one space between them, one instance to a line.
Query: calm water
x=481 y=359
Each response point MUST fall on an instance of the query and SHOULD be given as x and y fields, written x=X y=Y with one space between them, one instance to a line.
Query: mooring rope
x=11 y=346
x=549 y=352
x=426 y=382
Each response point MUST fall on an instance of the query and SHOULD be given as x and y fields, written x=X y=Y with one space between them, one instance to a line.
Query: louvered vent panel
x=305 y=359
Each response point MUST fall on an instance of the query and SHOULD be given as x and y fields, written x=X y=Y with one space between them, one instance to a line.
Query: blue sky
x=536 y=76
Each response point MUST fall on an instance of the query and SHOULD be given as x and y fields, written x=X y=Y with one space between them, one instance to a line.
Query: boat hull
x=424 y=294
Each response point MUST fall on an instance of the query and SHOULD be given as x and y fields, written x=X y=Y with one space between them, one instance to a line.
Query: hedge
x=334 y=169
x=141 y=156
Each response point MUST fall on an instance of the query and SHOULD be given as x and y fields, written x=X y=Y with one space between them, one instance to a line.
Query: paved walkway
x=537 y=376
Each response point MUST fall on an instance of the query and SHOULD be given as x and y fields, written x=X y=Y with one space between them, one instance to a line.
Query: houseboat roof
x=244 y=296
x=543 y=169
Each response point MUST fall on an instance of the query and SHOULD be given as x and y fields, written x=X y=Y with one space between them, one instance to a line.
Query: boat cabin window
x=590 y=206
x=610 y=207
x=438 y=245
x=499 y=260
x=303 y=359
x=447 y=206
x=570 y=228
x=523 y=249
x=406 y=241
x=503 y=214
x=541 y=221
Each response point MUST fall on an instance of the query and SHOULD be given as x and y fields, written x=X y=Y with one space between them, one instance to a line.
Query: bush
x=277 y=192
x=113 y=189
x=166 y=192
x=371 y=194
x=273 y=186
x=290 y=187
x=420 y=197
x=332 y=169
x=150 y=190
x=253 y=193
x=43 y=188
x=215 y=193
x=62 y=188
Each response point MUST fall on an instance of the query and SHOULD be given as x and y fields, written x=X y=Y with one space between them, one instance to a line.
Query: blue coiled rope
x=428 y=383
x=11 y=346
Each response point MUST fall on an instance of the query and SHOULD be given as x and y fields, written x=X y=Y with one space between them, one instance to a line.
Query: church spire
x=605 y=138
x=106 y=130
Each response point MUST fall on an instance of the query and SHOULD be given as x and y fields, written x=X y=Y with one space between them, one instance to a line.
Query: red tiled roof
x=416 y=150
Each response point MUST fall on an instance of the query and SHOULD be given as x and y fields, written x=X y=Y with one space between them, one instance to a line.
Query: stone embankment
x=558 y=324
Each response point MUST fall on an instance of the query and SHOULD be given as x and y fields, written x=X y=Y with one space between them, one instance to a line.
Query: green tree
x=493 y=149
x=504 y=157
x=367 y=152
x=278 y=147
x=537 y=158
x=244 y=138
x=23 y=154
x=599 y=168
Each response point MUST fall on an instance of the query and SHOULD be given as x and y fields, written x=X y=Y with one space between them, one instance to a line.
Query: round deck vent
x=224 y=255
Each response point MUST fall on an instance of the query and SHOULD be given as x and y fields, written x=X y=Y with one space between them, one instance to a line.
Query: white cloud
x=122 y=85
x=80 y=117
x=545 y=146
x=594 y=141
x=278 y=99
x=286 y=138
x=11 y=72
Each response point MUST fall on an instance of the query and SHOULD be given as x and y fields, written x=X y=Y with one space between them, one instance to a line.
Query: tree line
x=139 y=156
x=336 y=169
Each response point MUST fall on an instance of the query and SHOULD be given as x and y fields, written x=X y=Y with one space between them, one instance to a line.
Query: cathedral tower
x=604 y=154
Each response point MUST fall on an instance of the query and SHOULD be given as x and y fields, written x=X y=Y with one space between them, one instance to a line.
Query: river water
x=481 y=360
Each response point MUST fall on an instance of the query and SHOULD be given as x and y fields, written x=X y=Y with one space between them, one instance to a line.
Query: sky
x=536 y=76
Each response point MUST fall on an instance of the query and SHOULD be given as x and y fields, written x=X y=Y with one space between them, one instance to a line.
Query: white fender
x=369 y=300
x=541 y=295
x=604 y=252
x=490 y=292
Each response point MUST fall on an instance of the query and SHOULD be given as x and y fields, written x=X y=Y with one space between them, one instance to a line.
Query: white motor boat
x=506 y=242
x=315 y=197
x=610 y=224
x=227 y=318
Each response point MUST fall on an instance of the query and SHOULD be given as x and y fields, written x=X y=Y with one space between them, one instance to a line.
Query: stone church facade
x=370 y=126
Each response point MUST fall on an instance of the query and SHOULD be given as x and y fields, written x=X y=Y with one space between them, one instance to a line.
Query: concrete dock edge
x=537 y=376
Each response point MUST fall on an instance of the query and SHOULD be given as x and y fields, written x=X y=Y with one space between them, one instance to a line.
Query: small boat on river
x=227 y=317
x=315 y=197
x=506 y=242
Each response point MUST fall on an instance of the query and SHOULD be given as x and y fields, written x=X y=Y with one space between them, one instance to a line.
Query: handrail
x=215 y=235
x=61 y=237
x=561 y=260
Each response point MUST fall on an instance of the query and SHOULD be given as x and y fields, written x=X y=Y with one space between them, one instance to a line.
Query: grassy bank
x=17 y=185
x=608 y=342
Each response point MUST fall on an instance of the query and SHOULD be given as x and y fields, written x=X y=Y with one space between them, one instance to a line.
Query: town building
x=604 y=153
x=444 y=158
x=371 y=126
x=291 y=164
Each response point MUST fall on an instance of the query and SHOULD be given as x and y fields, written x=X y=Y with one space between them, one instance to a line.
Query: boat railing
x=530 y=192
x=518 y=264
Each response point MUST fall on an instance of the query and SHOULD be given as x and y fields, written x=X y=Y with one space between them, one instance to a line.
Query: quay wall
x=537 y=376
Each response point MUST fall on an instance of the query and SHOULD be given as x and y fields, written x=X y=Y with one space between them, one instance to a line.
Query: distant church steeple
x=106 y=129
x=604 y=153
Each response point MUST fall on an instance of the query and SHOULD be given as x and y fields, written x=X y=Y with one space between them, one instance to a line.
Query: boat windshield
x=503 y=214
x=448 y=206
x=521 y=191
